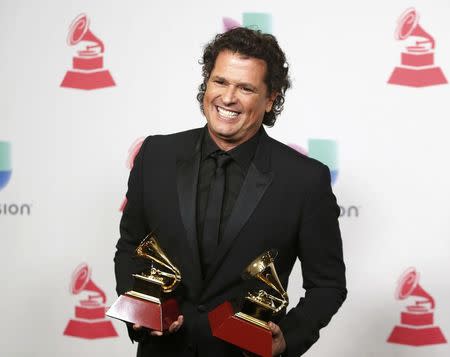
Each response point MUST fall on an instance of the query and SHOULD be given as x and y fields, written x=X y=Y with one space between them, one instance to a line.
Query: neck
x=227 y=145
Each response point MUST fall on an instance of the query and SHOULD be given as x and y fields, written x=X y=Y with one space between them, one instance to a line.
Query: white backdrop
x=69 y=149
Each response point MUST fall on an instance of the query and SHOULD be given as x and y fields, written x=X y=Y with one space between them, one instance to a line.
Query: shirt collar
x=243 y=154
x=209 y=146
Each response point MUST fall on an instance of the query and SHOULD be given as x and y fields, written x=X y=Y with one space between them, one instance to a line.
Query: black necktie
x=211 y=228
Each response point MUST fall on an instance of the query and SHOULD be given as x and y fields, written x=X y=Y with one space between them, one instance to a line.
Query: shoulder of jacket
x=182 y=136
x=293 y=157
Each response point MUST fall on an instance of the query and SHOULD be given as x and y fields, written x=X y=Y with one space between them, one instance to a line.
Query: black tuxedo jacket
x=285 y=203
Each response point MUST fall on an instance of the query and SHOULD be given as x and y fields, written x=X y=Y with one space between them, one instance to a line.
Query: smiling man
x=221 y=195
x=236 y=99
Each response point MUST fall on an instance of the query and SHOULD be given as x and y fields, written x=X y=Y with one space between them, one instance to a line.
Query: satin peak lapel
x=187 y=176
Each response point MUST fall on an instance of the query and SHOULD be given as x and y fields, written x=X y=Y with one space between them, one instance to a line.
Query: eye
x=246 y=89
x=219 y=81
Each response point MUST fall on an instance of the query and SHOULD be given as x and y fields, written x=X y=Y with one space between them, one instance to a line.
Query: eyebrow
x=241 y=84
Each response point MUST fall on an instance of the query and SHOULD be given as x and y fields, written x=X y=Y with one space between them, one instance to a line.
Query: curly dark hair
x=252 y=43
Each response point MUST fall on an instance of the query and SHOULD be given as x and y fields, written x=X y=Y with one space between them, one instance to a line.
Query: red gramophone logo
x=132 y=152
x=87 y=72
x=417 y=320
x=90 y=321
x=417 y=67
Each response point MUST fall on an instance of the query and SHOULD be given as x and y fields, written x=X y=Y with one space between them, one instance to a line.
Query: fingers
x=278 y=341
x=176 y=325
x=137 y=327
x=275 y=329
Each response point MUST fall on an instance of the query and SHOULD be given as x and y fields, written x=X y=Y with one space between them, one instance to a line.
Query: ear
x=270 y=101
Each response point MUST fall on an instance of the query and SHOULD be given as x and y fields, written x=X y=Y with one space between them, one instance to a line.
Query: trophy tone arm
x=149 y=249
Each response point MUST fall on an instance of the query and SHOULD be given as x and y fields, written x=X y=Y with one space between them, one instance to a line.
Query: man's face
x=236 y=99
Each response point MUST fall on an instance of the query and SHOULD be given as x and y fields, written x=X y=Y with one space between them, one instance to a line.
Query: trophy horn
x=263 y=268
x=150 y=249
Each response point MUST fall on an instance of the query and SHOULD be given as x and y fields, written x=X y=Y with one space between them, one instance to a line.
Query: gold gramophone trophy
x=248 y=328
x=150 y=302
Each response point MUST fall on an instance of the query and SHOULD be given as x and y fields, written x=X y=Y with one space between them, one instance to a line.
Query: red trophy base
x=90 y=323
x=88 y=80
x=416 y=336
x=226 y=326
x=145 y=313
x=421 y=77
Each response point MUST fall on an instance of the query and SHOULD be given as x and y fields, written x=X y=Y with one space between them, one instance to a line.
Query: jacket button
x=201 y=308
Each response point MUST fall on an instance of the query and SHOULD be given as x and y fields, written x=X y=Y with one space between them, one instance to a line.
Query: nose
x=229 y=95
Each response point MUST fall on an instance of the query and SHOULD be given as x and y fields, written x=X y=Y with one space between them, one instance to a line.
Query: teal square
x=5 y=156
x=325 y=151
x=258 y=21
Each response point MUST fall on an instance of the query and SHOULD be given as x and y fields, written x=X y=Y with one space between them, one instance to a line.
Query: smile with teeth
x=227 y=113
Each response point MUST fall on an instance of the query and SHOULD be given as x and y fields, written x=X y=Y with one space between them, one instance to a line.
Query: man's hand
x=278 y=342
x=174 y=327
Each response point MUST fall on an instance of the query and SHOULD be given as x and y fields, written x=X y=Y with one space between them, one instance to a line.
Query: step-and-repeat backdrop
x=82 y=82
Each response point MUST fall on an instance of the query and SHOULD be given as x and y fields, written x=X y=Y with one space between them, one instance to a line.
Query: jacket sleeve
x=133 y=229
x=320 y=253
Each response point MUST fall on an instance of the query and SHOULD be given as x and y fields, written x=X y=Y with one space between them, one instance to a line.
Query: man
x=268 y=197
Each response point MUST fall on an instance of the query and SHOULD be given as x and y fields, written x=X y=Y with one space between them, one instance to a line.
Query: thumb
x=274 y=328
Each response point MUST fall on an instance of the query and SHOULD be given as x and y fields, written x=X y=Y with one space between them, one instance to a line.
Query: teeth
x=227 y=113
